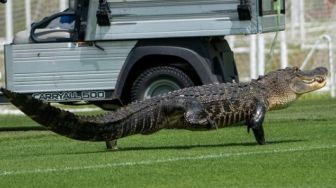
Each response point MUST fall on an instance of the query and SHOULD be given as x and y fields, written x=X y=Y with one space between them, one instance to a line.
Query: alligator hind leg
x=196 y=116
x=111 y=145
x=255 y=123
x=188 y=113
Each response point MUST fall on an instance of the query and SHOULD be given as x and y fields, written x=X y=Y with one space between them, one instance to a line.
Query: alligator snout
x=318 y=74
x=321 y=71
x=321 y=74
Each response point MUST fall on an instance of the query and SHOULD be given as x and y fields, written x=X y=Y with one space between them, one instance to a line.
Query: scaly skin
x=196 y=108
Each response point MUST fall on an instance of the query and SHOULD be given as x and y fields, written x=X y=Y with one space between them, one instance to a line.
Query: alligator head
x=286 y=85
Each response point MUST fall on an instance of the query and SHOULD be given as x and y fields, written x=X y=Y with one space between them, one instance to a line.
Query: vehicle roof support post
x=302 y=24
x=283 y=52
x=28 y=14
x=253 y=57
x=261 y=54
x=9 y=21
x=63 y=5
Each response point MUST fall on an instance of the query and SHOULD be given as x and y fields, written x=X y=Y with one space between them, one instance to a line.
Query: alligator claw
x=111 y=145
x=259 y=135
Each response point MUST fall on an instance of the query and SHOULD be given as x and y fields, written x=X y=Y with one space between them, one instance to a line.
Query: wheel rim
x=160 y=87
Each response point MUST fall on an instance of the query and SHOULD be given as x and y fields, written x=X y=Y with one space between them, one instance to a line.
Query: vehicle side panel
x=65 y=66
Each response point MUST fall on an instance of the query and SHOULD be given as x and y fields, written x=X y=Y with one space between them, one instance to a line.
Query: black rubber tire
x=159 y=80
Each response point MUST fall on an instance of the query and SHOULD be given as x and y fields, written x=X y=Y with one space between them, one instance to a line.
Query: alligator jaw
x=308 y=81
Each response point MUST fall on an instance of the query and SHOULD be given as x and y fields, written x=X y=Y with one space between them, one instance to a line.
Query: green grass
x=301 y=152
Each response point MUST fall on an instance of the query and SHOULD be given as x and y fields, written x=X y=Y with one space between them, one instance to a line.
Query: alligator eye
x=296 y=69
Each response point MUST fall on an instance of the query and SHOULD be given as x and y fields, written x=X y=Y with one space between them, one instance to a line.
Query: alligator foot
x=259 y=135
x=256 y=122
x=111 y=145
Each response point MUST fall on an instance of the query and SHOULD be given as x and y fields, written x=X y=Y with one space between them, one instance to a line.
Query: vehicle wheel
x=159 y=80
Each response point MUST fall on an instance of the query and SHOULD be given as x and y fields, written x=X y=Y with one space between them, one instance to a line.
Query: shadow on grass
x=125 y=149
x=28 y=128
x=200 y=146
x=144 y=148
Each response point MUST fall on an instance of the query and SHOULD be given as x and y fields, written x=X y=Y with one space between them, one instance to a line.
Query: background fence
x=306 y=22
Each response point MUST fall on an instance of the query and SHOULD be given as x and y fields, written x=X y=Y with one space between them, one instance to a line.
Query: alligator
x=196 y=108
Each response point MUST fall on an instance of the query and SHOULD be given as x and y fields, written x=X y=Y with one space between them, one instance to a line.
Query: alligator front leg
x=259 y=135
x=255 y=123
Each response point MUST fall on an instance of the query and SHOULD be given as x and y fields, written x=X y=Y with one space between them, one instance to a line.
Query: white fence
x=306 y=21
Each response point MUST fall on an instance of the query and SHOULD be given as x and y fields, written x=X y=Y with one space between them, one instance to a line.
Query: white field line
x=18 y=112
x=159 y=161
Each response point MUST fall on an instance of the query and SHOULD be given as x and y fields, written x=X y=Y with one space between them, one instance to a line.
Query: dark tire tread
x=176 y=74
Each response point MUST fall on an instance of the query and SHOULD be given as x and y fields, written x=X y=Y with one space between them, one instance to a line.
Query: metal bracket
x=103 y=13
x=244 y=10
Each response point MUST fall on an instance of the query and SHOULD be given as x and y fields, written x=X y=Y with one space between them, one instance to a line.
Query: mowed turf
x=301 y=152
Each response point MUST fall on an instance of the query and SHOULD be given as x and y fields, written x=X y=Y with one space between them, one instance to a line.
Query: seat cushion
x=23 y=37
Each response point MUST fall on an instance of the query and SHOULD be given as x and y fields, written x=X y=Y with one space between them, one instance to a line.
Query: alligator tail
x=59 y=121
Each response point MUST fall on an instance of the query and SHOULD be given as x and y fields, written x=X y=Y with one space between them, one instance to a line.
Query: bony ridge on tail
x=196 y=108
